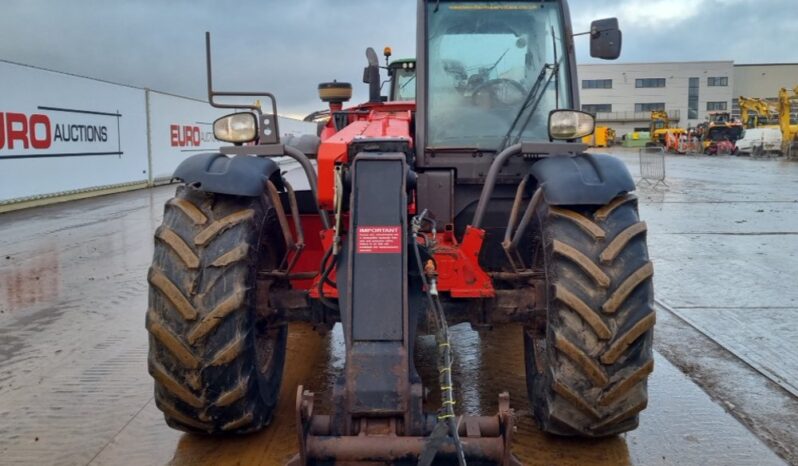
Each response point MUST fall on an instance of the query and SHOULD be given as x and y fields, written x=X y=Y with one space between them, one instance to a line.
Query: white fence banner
x=60 y=133
x=179 y=128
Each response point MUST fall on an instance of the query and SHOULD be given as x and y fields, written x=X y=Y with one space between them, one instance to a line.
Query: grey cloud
x=289 y=47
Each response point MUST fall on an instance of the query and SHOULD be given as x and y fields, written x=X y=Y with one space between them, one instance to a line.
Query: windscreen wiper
x=555 y=72
x=527 y=100
x=531 y=102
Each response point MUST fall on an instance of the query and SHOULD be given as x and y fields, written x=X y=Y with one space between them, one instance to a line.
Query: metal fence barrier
x=652 y=166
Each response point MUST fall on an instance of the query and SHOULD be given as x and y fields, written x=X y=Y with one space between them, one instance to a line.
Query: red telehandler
x=474 y=203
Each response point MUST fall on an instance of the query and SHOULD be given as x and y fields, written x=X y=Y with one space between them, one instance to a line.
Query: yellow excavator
x=660 y=127
x=789 y=131
x=719 y=128
x=755 y=112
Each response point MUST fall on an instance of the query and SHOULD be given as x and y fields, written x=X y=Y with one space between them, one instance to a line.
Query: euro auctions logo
x=59 y=132
x=26 y=131
x=189 y=136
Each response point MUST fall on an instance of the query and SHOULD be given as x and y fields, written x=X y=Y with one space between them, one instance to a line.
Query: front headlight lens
x=236 y=128
x=570 y=124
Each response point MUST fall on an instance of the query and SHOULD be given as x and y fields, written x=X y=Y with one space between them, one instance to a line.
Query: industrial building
x=623 y=95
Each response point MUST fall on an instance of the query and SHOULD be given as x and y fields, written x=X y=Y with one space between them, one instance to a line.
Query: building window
x=597 y=84
x=597 y=108
x=650 y=107
x=692 y=99
x=714 y=106
x=650 y=82
x=722 y=81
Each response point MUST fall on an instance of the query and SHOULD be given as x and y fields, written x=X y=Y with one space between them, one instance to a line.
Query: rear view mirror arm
x=212 y=93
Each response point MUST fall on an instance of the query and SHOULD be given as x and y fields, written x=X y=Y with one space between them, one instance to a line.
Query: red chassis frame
x=458 y=269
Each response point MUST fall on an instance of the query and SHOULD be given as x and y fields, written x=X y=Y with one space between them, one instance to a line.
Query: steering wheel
x=499 y=92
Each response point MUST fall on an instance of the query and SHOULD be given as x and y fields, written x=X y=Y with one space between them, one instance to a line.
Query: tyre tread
x=590 y=377
x=202 y=351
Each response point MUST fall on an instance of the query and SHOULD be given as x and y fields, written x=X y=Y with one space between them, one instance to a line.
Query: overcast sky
x=288 y=47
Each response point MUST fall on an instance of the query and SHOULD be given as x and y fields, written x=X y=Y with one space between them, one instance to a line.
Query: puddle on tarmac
x=491 y=363
x=35 y=281
x=55 y=415
x=681 y=426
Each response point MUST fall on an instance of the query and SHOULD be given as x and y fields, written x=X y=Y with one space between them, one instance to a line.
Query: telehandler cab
x=472 y=203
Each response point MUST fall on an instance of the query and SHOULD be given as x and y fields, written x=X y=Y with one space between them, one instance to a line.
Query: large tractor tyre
x=216 y=352
x=588 y=363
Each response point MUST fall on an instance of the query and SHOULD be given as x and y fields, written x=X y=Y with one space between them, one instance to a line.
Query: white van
x=760 y=141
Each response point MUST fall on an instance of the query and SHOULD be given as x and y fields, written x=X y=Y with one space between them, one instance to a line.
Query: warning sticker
x=377 y=239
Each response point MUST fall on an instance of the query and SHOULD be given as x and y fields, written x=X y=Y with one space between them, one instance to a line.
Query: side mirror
x=605 y=39
x=236 y=128
x=570 y=124
x=371 y=75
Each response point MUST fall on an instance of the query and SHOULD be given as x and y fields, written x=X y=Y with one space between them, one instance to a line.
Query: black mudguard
x=242 y=175
x=584 y=179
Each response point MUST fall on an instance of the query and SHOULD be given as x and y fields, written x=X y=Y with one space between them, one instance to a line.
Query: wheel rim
x=269 y=335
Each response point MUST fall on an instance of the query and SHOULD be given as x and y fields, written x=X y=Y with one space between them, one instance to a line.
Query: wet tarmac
x=725 y=243
x=74 y=388
x=724 y=239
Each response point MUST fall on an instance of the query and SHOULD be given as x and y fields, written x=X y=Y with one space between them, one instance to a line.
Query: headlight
x=570 y=124
x=236 y=128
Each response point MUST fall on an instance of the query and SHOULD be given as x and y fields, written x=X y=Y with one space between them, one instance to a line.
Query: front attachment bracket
x=484 y=439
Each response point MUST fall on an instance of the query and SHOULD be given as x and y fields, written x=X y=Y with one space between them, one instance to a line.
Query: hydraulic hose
x=325 y=270
x=447 y=415
x=310 y=172
x=490 y=182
